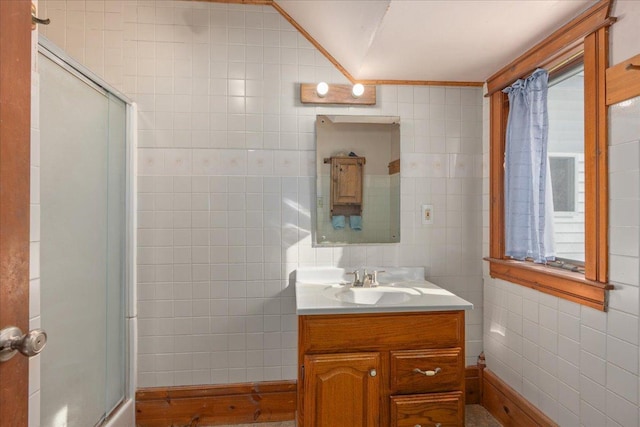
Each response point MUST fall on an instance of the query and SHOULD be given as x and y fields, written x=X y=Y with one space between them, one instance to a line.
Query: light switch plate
x=427 y=214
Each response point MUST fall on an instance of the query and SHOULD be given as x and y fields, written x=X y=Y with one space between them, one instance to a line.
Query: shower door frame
x=62 y=59
x=15 y=116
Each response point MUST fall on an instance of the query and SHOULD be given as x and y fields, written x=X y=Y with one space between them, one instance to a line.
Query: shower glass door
x=82 y=253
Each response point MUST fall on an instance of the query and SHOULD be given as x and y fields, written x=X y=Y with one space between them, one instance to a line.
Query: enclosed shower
x=85 y=267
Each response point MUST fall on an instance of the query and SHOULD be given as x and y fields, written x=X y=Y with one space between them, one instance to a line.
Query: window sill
x=553 y=281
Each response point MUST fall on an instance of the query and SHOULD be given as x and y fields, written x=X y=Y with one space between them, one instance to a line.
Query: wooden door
x=342 y=390
x=15 y=106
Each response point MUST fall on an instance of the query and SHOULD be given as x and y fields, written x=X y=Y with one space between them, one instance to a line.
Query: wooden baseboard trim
x=472 y=385
x=216 y=404
x=508 y=406
x=237 y=403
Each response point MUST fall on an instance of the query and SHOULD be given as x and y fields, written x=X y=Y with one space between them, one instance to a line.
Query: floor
x=476 y=416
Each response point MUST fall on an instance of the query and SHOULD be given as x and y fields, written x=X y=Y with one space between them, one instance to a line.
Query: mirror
x=357 y=180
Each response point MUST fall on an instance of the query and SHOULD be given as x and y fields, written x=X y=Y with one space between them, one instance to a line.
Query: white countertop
x=327 y=290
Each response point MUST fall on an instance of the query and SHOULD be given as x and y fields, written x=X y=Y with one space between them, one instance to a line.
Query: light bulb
x=322 y=89
x=358 y=90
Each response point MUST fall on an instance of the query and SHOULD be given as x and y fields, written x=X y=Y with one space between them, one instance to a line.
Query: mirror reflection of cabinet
x=346 y=185
x=373 y=194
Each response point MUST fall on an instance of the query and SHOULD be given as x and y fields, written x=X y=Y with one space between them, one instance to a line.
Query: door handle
x=12 y=340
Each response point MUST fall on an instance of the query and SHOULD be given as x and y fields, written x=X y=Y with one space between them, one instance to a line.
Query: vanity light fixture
x=358 y=90
x=322 y=89
x=324 y=93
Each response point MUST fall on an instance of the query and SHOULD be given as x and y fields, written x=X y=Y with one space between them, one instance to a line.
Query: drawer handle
x=427 y=373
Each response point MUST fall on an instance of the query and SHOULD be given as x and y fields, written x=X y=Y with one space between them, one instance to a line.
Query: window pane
x=566 y=160
x=563 y=177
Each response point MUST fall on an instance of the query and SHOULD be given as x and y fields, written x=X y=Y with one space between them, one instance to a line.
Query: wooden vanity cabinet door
x=428 y=410
x=342 y=390
x=346 y=180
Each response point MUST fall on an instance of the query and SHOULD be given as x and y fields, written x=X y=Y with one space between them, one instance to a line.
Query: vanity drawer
x=423 y=371
x=435 y=409
x=376 y=331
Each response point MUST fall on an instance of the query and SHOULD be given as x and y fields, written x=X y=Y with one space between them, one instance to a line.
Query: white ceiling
x=435 y=40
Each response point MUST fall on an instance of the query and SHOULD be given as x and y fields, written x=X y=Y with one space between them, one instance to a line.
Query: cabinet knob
x=373 y=372
x=427 y=373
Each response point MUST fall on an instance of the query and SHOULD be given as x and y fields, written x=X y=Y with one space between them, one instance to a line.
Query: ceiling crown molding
x=330 y=57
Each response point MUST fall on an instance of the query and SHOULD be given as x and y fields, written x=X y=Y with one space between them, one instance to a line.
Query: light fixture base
x=337 y=94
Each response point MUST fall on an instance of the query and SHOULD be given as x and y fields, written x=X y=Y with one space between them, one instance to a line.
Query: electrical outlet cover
x=427 y=214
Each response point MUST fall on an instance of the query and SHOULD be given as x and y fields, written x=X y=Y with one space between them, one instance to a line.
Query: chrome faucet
x=356 y=279
x=369 y=280
x=375 y=276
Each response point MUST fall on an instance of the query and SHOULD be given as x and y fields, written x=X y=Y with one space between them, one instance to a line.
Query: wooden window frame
x=586 y=36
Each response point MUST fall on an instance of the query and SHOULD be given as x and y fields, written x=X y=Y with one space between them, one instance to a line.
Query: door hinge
x=302 y=373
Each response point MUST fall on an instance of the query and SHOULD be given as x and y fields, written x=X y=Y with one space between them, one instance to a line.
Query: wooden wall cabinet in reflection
x=347 y=174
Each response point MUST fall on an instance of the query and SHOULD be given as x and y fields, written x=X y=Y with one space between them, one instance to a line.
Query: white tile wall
x=34 y=234
x=579 y=365
x=226 y=179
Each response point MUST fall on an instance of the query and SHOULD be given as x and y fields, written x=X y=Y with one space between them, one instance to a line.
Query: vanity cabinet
x=381 y=369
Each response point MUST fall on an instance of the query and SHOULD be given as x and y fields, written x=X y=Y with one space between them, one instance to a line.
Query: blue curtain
x=528 y=195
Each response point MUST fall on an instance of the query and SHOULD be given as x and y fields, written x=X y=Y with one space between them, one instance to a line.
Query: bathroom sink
x=381 y=295
x=329 y=290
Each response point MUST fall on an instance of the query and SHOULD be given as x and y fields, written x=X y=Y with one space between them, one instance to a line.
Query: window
x=566 y=161
x=584 y=40
x=563 y=179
